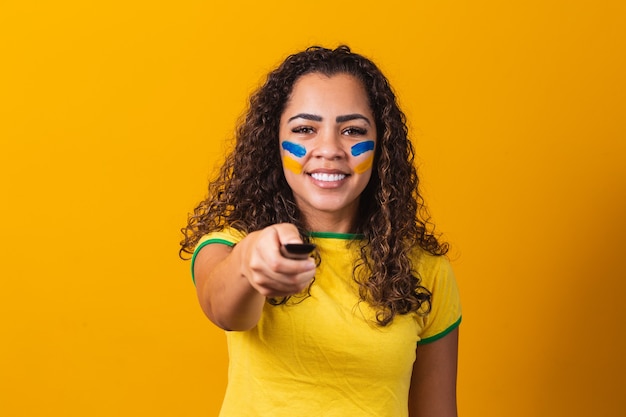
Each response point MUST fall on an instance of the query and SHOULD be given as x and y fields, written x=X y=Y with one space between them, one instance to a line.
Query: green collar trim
x=332 y=235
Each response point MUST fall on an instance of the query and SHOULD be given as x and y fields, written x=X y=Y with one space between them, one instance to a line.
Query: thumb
x=286 y=233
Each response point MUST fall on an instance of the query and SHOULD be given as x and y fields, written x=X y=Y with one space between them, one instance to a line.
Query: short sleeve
x=445 y=314
x=228 y=236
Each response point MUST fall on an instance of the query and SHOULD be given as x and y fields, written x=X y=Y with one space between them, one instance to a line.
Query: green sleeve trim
x=442 y=334
x=200 y=246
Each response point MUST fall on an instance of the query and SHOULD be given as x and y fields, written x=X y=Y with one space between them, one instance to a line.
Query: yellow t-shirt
x=324 y=355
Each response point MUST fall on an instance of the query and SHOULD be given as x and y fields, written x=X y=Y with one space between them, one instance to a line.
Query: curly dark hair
x=251 y=192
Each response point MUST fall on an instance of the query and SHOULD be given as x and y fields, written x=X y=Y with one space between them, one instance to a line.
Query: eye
x=354 y=131
x=303 y=130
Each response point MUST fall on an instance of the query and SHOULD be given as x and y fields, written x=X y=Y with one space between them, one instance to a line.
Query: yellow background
x=114 y=114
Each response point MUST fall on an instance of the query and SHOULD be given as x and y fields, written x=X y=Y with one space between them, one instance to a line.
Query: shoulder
x=431 y=267
x=436 y=274
x=227 y=236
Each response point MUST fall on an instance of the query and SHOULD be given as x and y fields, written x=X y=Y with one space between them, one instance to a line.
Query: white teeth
x=328 y=177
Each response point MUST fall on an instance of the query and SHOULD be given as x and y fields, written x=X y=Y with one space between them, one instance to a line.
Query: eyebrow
x=339 y=119
x=306 y=116
x=348 y=117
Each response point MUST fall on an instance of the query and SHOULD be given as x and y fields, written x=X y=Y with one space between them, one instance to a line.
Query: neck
x=329 y=222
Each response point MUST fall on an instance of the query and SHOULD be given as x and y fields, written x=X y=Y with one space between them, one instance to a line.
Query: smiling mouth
x=327 y=177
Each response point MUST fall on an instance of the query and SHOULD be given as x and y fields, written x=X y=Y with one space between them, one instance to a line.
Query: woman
x=367 y=326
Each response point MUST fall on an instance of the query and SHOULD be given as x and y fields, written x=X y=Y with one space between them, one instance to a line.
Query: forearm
x=225 y=294
x=433 y=383
x=233 y=283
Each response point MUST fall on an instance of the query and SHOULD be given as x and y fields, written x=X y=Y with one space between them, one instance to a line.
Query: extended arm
x=232 y=283
x=433 y=384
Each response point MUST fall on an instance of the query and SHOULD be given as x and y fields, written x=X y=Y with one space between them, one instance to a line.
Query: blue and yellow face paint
x=299 y=151
x=296 y=150
x=361 y=148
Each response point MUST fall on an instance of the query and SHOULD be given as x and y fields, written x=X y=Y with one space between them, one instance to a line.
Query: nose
x=328 y=146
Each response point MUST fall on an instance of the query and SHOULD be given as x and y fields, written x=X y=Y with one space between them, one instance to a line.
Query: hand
x=270 y=273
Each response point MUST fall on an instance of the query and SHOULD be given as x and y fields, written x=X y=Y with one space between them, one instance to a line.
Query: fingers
x=281 y=285
x=272 y=274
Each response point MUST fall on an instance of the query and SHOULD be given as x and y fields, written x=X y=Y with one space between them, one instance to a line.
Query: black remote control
x=297 y=250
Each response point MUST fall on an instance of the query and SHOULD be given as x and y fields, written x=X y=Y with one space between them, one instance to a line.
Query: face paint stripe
x=292 y=165
x=294 y=149
x=365 y=165
x=362 y=147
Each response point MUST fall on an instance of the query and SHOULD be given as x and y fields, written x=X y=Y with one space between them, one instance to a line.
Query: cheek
x=292 y=165
x=363 y=147
x=291 y=153
x=363 y=152
x=365 y=166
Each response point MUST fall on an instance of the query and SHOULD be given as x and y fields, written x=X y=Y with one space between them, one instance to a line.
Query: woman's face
x=327 y=144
